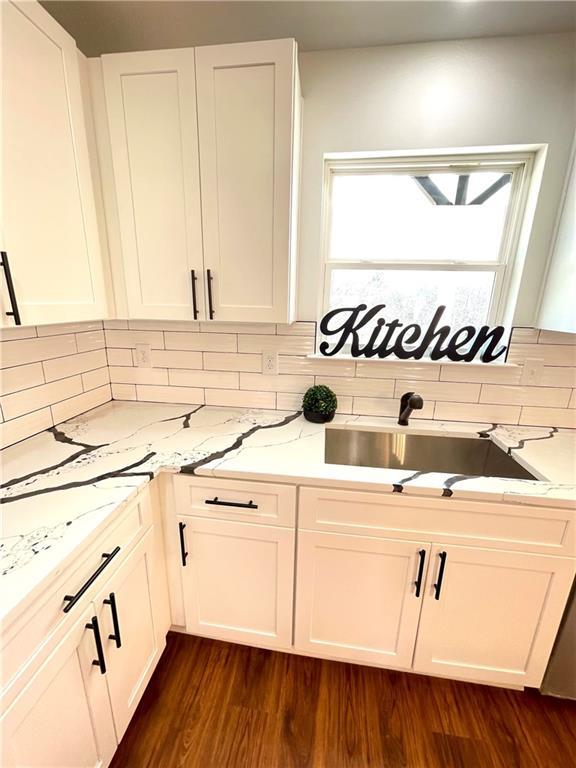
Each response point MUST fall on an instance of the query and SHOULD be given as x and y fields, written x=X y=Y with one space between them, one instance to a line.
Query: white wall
x=517 y=90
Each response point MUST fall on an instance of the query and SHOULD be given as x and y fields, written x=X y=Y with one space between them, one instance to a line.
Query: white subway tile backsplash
x=216 y=379
x=61 y=328
x=556 y=376
x=551 y=354
x=191 y=326
x=284 y=345
x=18 y=332
x=34 y=350
x=378 y=406
x=253 y=328
x=279 y=383
x=131 y=338
x=387 y=369
x=525 y=335
x=25 y=426
x=239 y=398
x=548 y=417
x=123 y=391
x=21 y=377
x=300 y=328
x=166 y=394
x=20 y=403
x=90 y=340
x=440 y=390
x=94 y=379
x=315 y=366
x=499 y=414
x=231 y=361
x=572 y=403
x=115 y=325
x=556 y=337
x=202 y=342
x=81 y=403
x=119 y=356
x=543 y=396
x=129 y=375
x=168 y=358
x=358 y=387
x=494 y=374
x=61 y=367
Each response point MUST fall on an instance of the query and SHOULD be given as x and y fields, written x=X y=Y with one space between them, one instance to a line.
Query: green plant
x=320 y=399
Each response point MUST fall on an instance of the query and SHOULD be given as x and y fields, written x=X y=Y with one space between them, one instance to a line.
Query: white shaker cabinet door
x=151 y=105
x=62 y=718
x=358 y=597
x=238 y=580
x=491 y=616
x=248 y=107
x=48 y=211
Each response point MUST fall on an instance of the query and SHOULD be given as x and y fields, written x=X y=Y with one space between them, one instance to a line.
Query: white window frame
x=518 y=163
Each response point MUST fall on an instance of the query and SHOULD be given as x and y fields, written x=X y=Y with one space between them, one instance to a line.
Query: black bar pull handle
x=219 y=503
x=111 y=601
x=73 y=599
x=438 y=585
x=183 y=553
x=193 y=279
x=209 y=279
x=100 y=661
x=418 y=582
x=10 y=285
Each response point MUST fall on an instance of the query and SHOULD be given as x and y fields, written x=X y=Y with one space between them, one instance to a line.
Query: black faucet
x=409 y=402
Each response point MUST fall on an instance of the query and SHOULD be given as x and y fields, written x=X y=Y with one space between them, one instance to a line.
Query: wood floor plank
x=212 y=704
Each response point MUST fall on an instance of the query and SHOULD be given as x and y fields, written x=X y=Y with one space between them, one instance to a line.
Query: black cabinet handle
x=100 y=661
x=183 y=552
x=111 y=601
x=73 y=599
x=418 y=582
x=209 y=279
x=218 y=503
x=438 y=585
x=10 y=285
x=193 y=279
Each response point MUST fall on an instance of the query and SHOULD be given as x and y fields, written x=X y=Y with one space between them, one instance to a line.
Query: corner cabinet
x=205 y=152
x=50 y=240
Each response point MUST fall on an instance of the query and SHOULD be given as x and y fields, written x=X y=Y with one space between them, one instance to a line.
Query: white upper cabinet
x=48 y=212
x=151 y=105
x=248 y=123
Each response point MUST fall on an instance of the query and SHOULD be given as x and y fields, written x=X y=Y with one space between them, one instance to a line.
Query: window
x=416 y=233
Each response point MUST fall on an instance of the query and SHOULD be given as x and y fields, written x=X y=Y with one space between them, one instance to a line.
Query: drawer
x=35 y=628
x=476 y=523
x=237 y=500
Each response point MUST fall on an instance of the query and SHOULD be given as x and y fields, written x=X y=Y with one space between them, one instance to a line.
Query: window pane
x=413 y=296
x=395 y=217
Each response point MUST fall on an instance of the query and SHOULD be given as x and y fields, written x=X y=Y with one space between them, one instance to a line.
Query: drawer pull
x=219 y=503
x=183 y=552
x=100 y=661
x=73 y=599
x=209 y=279
x=193 y=279
x=111 y=601
x=438 y=585
x=10 y=286
x=418 y=582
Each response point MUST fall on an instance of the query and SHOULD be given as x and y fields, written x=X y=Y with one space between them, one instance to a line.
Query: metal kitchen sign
x=408 y=342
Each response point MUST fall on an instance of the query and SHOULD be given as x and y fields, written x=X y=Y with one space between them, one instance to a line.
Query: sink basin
x=424 y=453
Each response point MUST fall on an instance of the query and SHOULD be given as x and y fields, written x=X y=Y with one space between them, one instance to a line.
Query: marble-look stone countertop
x=63 y=485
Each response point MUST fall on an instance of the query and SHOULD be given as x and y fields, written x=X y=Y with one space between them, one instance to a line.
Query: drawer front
x=236 y=500
x=477 y=523
x=33 y=630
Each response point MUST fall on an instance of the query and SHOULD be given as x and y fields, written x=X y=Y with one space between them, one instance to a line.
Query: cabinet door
x=48 y=209
x=132 y=642
x=495 y=617
x=238 y=581
x=151 y=103
x=62 y=718
x=246 y=101
x=357 y=599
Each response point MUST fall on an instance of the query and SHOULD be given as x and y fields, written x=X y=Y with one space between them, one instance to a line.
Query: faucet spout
x=409 y=402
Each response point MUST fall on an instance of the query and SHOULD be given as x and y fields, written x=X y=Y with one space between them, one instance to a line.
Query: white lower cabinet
x=359 y=598
x=238 y=580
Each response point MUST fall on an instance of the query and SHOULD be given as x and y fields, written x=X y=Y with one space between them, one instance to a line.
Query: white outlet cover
x=143 y=355
x=270 y=362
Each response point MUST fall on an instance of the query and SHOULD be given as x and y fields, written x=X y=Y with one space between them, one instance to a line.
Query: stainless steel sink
x=424 y=453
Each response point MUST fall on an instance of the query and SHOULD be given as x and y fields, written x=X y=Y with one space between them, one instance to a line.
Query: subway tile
x=191 y=326
x=315 y=366
x=284 y=345
x=119 y=356
x=540 y=396
x=378 y=406
x=81 y=403
x=168 y=358
x=299 y=328
x=18 y=332
x=358 y=387
x=153 y=394
x=202 y=342
x=548 y=417
x=21 y=377
x=61 y=367
x=90 y=340
x=272 y=383
x=94 y=379
x=18 y=429
x=60 y=328
x=525 y=335
x=290 y=401
x=484 y=372
x=384 y=369
x=551 y=354
x=556 y=337
x=20 y=403
x=216 y=379
x=440 y=390
x=239 y=398
x=556 y=376
x=34 y=350
x=493 y=414
x=123 y=391
x=115 y=325
x=131 y=375
x=572 y=403
x=230 y=361
x=253 y=328
x=131 y=338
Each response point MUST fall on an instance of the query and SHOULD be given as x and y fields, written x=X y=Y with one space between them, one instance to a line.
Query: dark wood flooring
x=217 y=705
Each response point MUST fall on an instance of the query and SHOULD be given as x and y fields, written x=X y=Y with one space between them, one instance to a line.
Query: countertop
x=65 y=484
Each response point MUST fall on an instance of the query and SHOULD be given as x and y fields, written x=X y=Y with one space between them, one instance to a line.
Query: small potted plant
x=319 y=404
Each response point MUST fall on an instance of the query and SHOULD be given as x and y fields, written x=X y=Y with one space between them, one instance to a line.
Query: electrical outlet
x=143 y=355
x=532 y=371
x=269 y=362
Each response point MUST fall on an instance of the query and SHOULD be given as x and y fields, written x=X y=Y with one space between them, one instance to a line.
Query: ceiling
x=108 y=26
